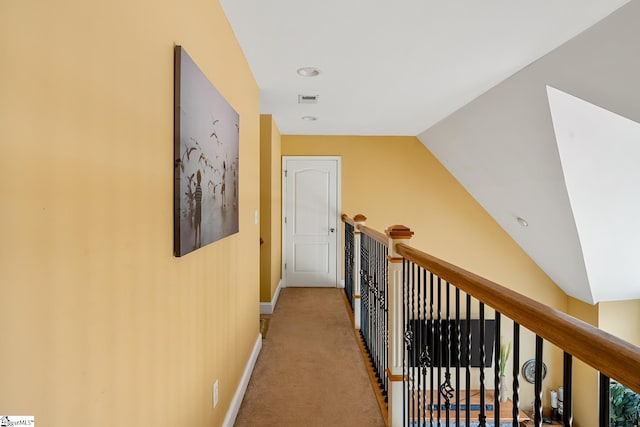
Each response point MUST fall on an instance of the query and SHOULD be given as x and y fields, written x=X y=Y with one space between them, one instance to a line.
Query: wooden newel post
x=396 y=234
x=357 y=302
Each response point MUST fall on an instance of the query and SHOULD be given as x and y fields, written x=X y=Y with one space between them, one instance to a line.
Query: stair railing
x=444 y=329
x=371 y=307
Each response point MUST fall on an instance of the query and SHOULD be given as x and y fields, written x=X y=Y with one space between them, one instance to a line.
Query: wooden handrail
x=376 y=235
x=345 y=218
x=606 y=353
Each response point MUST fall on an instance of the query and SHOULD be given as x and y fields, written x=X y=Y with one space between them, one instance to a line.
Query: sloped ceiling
x=474 y=76
x=599 y=153
x=576 y=184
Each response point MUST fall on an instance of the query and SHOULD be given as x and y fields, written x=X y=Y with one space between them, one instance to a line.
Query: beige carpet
x=310 y=371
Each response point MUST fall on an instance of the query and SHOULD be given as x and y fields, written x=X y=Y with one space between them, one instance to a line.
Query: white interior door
x=310 y=220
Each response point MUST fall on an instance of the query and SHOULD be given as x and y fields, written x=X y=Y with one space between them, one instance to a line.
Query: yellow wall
x=396 y=180
x=622 y=319
x=619 y=318
x=270 y=208
x=100 y=323
x=585 y=378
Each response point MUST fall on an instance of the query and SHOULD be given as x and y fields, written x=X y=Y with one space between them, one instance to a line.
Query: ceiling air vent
x=307 y=99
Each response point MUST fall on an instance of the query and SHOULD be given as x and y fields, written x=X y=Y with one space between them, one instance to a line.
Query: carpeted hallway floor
x=310 y=371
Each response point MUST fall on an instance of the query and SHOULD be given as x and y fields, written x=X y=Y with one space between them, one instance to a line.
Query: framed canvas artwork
x=206 y=160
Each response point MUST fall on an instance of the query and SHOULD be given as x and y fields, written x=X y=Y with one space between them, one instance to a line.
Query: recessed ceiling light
x=309 y=118
x=308 y=71
x=523 y=222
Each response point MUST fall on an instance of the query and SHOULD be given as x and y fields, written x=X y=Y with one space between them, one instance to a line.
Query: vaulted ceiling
x=530 y=105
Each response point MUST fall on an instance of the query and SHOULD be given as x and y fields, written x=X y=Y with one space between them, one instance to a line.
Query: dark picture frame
x=206 y=159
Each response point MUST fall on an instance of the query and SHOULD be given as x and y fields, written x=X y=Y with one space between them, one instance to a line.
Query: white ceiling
x=400 y=68
x=394 y=67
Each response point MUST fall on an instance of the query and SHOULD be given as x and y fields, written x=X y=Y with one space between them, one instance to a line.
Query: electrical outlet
x=215 y=394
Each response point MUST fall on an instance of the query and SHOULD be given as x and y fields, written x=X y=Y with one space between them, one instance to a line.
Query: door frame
x=283 y=169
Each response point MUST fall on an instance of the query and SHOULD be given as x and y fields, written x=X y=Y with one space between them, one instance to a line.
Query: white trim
x=234 y=408
x=341 y=284
x=283 y=212
x=283 y=168
x=268 y=307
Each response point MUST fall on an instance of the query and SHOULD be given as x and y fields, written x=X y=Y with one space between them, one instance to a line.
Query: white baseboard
x=341 y=284
x=234 y=408
x=268 y=307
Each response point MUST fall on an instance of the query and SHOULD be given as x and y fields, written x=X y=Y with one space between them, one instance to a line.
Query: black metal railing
x=348 y=262
x=452 y=369
x=455 y=325
x=444 y=303
x=375 y=309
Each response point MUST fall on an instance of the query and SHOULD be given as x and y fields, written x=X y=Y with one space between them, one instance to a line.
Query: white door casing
x=310 y=220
